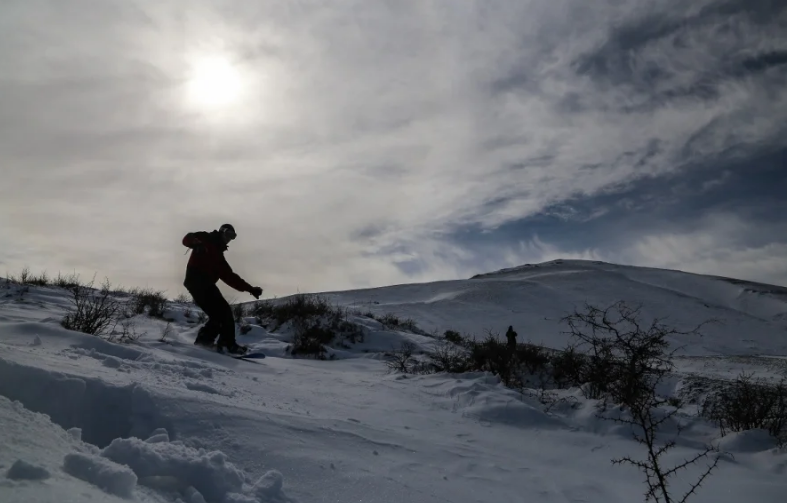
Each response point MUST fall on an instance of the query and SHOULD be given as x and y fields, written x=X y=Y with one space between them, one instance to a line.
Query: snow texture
x=22 y=470
x=84 y=419
x=111 y=477
x=209 y=472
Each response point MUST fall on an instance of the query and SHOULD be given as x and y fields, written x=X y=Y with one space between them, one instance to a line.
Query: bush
x=24 y=276
x=489 y=355
x=627 y=362
x=748 y=404
x=493 y=356
x=625 y=356
x=402 y=360
x=390 y=320
x=154 y=301
x=297 y=307
x=66 y=281
x=568 y=367
x=128 y=332
x=338 y=321
x=313 y=318
x=446 y=357
x=239 y=313
x=532 y=357
x=40 y=280
x=453 y=336
x=167 y=332
x=92 y=312
x=183 y=298
x=310 y=340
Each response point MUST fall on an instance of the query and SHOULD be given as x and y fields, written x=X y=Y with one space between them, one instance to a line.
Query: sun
x=214 y=82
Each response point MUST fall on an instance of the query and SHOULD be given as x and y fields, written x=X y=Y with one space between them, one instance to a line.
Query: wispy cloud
x=370 y=135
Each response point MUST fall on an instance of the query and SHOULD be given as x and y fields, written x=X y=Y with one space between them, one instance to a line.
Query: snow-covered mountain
x=83 y=419
x=752 y=317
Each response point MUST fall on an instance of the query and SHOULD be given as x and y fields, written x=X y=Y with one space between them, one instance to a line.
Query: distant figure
x=511 y=336
x=206 y=266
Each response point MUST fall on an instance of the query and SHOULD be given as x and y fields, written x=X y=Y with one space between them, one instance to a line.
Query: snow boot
x=232 y=348
x=205 y=342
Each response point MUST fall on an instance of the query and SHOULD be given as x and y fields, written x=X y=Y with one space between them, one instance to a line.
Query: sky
x=366 y=143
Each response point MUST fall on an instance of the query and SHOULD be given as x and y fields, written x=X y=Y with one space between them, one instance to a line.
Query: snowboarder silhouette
x=205 y=267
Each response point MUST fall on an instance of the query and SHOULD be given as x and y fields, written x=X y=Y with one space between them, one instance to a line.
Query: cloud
x=370 y=135
x=719 y=247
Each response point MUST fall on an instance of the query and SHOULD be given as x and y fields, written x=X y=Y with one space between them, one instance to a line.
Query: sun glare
x=214 y=83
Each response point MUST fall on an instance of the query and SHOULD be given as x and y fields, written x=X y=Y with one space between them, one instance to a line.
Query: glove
x=256 y=291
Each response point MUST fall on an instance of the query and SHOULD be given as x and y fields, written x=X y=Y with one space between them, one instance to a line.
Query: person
x=206 y=266
x=511 y=336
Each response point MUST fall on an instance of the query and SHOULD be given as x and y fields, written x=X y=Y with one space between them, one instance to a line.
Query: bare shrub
x=391 y=321
x=315 y=321
x=338 y=321
x=93 y=312
x=239 y=313
x=147 y=299
x=493 y=356
x=24 y=276
x=569 y=367
x=532 y=357
x=297 y=307
x=627 y=362
x=647 y=416
x=446 y=357
x=167 y=332
x=40 y=280
x=69 y=281
x=453 y=336
x=127 y=333
x=624 y=354
x=183 y=298
x=747 y=404
x=310 y=340
x=401 y=359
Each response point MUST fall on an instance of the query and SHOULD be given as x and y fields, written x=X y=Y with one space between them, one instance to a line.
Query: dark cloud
x=648 y=53
x=749 y=190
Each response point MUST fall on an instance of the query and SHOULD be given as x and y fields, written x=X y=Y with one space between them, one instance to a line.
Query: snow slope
x=752 y=317
x=88 y=420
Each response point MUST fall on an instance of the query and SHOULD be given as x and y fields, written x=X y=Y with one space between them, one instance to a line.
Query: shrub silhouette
x=92 y=312
x=747 y=404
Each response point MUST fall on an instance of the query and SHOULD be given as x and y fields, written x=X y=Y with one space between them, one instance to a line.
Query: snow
x=22 y=470
x=150 y=421
x=111 y=477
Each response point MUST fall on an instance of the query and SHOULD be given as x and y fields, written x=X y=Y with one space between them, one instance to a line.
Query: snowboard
x=253 y=355
x=250 y=356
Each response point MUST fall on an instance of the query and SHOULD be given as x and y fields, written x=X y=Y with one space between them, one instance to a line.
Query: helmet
x=228 y=231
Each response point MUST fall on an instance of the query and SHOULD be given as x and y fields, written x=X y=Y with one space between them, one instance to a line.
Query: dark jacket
x=511 y=335
x=210 y=264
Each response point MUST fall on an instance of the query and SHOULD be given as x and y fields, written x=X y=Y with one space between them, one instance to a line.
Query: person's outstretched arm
x=232 y=278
